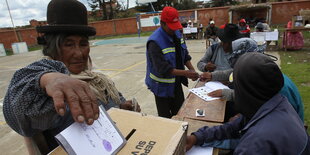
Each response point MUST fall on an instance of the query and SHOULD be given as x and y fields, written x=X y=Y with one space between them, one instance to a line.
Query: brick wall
x=282 y=12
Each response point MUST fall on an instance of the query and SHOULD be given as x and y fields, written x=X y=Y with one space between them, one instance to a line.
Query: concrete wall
x=282 y=12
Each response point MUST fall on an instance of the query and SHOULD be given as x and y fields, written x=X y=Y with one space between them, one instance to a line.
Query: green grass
x=34 y=48
x=296 y=65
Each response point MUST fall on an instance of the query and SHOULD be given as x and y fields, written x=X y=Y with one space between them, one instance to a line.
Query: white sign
x=265 y=36
x=194 y=30
x=2 y=50
x=258 y=36
x=146 y=1
x=150 y=21
x=187 y=30
x=272 y=36
x=20 y=47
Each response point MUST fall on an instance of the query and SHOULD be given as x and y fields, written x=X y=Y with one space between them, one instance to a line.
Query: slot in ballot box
x=146 y=134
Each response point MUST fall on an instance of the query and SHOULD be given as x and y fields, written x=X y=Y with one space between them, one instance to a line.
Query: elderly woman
x=50 y=94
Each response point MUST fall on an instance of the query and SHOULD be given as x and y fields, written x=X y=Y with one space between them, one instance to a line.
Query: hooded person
x=216 y=56
x=50 y=94
x=267 y=122
x=244 y=28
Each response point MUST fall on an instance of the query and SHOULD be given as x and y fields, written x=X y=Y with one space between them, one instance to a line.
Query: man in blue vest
x=167 y=57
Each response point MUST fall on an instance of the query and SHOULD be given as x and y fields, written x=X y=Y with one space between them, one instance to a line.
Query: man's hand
x=206 y=76
x=77 y=94
x=190 y=142
x=216 y=93
x=210 y=67
x=191 y=74
x=128 y=105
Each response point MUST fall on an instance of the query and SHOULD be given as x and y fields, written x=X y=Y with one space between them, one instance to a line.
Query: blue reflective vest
x=160 y=85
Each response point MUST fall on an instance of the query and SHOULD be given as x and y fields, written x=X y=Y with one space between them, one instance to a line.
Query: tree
x=111 y=10
x=160 y=4
x=95 y=4
x=217 y=3
x=186 y=5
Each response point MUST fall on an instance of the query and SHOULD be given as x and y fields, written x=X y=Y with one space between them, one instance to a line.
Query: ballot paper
x=102 y=137
x=203 y=91
x=198 y=150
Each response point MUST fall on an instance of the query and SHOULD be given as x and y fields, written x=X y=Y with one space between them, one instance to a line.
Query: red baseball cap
x=170 y=16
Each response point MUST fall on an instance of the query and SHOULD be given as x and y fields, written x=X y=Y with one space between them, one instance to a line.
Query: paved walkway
x=123 y=61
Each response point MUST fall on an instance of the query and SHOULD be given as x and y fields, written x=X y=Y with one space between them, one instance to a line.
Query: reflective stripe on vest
x=162 y=80
x=182 y=41
x=168 y=50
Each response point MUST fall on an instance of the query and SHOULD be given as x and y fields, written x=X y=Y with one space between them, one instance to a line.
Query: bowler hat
x=229 y=33
x=66 y=16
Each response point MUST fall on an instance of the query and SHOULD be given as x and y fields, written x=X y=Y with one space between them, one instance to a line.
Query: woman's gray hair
x=52 y=46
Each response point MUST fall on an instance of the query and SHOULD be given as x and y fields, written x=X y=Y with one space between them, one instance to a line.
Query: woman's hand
x=210 y=67
x=190 y=142
x=216 y=93
x=128 y=105
x=76 y=93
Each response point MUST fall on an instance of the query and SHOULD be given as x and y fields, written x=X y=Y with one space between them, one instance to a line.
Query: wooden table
x=291 y=30
x=214 y=113
x=214 y=110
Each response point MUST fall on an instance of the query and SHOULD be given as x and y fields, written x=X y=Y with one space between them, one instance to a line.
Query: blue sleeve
x=291 y=92
x=187 y=56
x=161 y=65
x=27 y=108
x=229 y=130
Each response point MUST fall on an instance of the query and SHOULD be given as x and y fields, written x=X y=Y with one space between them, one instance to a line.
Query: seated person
x=210 y=33
x=266 y=26
x=267 y=119
x=259 y=27
x=190 y=23
x=216 y=56
x=50 y=94
x=245 y=45
x=244 y=28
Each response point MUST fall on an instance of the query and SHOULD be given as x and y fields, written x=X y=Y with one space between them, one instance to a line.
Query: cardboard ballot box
x=150 y=135
x=146 y=134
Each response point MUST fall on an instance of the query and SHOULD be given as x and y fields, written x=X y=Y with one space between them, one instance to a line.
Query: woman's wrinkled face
x=74 y=53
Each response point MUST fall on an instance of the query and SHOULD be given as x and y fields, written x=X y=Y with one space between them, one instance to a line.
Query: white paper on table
x=215 y=85
x=258 y=36
x=187 y=30
x=198 y=150
x=272 y=36
x=194 y=30
x=203 y=91
x=102 y=137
